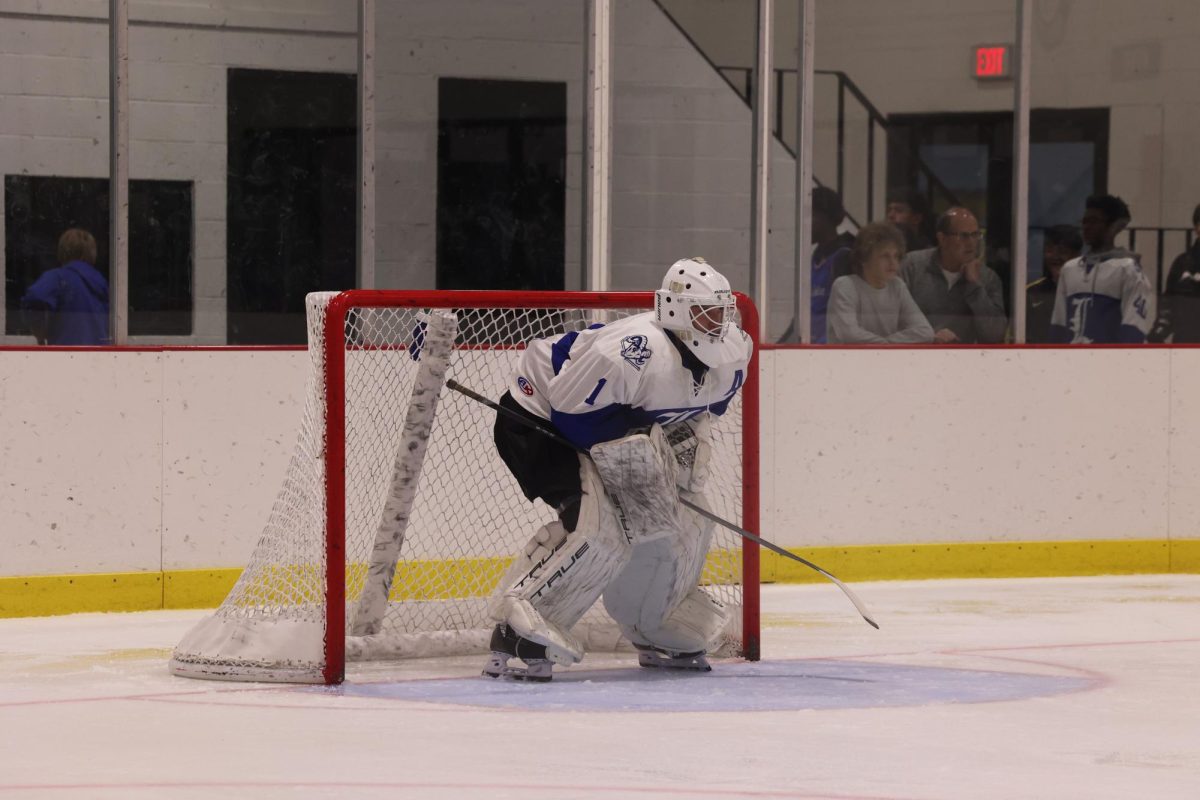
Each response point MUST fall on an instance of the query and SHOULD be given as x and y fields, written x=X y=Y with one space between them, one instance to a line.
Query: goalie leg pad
x=656 y=600
x=692 y=627
x=541 y=545
x=696 y=539
x=639 y=472
x=542 y=600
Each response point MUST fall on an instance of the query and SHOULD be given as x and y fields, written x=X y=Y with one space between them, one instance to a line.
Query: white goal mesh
x=467 y=517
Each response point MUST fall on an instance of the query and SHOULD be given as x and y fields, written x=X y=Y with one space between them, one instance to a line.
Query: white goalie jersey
x=597 y=385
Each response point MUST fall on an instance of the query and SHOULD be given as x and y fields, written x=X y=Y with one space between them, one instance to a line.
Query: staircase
x=851 y=135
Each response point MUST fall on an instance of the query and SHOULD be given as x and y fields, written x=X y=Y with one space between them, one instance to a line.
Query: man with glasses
x=962 y=297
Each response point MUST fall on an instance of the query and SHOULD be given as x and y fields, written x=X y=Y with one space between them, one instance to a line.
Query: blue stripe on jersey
x=618 y=419
x=560 y=351
x=602 y=425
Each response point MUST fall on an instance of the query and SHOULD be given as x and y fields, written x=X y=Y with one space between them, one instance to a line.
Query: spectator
x=1179 y=314
x=69 y=304
x=1102 y=296
x=906 y=210
x=1062 y=243
x=961 y=297
x=873 y=306
x=830 y=257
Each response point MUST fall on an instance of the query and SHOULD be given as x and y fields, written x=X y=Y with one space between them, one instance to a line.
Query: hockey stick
x=499 y=409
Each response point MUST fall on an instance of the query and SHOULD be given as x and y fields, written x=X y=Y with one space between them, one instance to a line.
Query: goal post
x=397 y=518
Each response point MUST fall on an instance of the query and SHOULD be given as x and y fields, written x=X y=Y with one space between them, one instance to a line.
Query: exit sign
x=992 y=62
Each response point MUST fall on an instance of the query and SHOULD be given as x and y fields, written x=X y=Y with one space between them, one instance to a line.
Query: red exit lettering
x=989 y=62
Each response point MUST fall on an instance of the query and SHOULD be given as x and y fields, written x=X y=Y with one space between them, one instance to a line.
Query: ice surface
x=1047 y=688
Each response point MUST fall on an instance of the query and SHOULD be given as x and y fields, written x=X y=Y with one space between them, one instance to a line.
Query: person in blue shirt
x=830 y=258
x=68 y=305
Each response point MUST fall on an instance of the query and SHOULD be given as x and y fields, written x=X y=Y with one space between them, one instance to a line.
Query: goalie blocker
x=639 y=393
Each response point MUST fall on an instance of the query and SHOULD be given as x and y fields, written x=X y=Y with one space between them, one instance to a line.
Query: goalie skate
x=507 y=645
x=654 y=658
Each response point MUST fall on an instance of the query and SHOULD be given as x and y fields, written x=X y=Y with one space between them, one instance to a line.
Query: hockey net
x=396 y=518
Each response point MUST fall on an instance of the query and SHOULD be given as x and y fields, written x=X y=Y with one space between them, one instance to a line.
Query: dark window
x=501 y=202
x=968 y=158
x=37 y=209
x=292 y=198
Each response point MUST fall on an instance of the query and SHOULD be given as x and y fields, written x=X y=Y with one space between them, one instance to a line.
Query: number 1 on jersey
x=591 y=398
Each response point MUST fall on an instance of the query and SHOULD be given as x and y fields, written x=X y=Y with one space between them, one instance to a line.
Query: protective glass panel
x=1108 y=176
x=54 y=155
x=912 y=117
x=244 y=121
x=681 y=140
x=479 y=131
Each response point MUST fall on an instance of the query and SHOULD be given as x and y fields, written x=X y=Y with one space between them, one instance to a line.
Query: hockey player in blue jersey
x=638 y=394
x=1103 y=296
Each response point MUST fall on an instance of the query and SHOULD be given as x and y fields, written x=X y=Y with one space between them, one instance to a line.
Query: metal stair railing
x=741 y=79
x=845 y=85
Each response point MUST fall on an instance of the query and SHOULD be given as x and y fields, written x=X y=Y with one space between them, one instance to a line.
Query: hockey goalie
x=636 y=397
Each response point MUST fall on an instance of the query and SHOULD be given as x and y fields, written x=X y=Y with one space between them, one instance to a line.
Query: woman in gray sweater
x=873 y=306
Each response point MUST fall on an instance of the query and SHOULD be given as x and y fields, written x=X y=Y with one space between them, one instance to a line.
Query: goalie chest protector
x=598 y=384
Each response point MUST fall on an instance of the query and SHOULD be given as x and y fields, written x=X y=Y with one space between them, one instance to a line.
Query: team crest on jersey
x=525 y=386
x=635 y=351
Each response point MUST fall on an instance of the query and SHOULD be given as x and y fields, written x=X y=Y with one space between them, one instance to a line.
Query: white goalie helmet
x=696 y=304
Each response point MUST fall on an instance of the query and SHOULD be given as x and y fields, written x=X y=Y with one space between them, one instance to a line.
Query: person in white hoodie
x=1103 y=296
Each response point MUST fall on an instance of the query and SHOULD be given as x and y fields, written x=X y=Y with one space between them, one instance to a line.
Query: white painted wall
x=1139 y=59
x=140 y=461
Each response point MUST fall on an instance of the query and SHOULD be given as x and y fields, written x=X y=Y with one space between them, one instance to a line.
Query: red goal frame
x=335 y=436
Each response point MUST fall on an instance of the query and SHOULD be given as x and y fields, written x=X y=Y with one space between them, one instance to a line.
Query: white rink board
x=80 y=462
x=892 y=447
x=1184 y=474
x=230 y=422
x=173 y=459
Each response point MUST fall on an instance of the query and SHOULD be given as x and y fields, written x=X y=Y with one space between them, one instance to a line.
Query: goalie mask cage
x=396 y=518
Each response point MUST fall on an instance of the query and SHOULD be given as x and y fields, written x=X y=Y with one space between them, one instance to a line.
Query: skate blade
x=516 y=674
x=664 y=663
x=680 y=667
